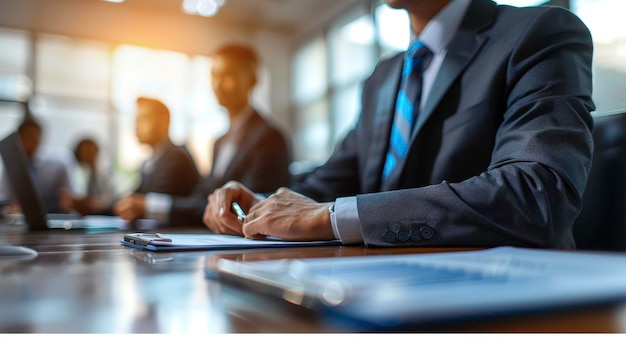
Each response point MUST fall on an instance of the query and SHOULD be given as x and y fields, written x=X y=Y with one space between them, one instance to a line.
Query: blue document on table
x=423 y=291
x=186 y=242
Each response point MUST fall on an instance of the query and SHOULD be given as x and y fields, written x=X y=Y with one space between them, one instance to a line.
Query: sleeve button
x=390 y=237
x=414 y=234
x=403 y=235
x=427 y=232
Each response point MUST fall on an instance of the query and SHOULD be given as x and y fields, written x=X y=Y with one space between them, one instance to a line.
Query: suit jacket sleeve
x=531 y=192
x=175 y=173
x=266 y=168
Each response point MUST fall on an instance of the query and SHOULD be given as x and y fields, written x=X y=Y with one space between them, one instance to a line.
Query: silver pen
x=236 y=208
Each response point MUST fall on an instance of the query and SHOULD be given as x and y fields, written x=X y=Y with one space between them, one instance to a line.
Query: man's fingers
x=256 y=237
x=127 y=215
x=217 y=213
x=255 y=226
x=122 y=206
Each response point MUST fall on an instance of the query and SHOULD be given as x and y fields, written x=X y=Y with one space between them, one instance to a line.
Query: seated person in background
x=170 y=169
x=96 y=192
x=50 y=175
x=495 y=151
x=253 y=151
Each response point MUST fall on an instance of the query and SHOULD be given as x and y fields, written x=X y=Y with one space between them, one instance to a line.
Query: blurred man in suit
x=495 y=150
x=253 y=151
x=95 y=193
x=170 y=169
x=50 y=175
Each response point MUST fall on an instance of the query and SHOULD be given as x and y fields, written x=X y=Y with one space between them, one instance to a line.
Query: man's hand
x=289 y=216
x=85 y=205
x=131 y=208
x=217 y=214
x=66 y=200
x=12 y=208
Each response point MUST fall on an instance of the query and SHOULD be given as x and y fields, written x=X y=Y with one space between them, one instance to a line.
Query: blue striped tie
x=407 y=106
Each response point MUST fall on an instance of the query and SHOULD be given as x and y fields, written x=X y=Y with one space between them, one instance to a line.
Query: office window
x=346 y=106
x=68 y=67
x=605 y=21
x=72 y=89
x=15 y=87
x=10 y=114
x=352 y=56
x=14 y=47
x=328 y=72
x=14 y=83
x=393 y=29
x=351 y=51
x=310 y=71
x=313 y=132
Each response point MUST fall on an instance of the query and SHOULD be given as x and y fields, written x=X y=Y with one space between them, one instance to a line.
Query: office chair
x=602 y=222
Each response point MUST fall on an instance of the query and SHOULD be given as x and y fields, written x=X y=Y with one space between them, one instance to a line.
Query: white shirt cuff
x=345 y=221
x=158 y=206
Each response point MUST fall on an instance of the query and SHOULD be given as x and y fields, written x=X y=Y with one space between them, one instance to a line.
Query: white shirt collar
x=441 y=29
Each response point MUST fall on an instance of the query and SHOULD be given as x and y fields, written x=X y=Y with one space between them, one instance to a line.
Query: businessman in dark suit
x=499 y=153
x=253 y=151
x=170 y=169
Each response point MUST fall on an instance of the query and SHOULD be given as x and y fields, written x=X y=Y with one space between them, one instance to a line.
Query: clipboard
x=189 y=242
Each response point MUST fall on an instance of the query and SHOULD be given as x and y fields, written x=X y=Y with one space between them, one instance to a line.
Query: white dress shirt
x=436 y=36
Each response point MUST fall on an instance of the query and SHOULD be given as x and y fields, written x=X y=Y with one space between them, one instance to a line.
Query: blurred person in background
x=253 y=151
x=95 y=191
x=170 y=169
x=50 y=175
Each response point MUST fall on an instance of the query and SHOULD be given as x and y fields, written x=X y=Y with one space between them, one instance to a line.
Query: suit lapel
x=462 y=49
x=381 y=128
x=460 y=53
x=248 y=134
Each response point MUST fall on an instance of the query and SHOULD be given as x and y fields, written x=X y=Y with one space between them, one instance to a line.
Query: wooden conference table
x=89 y=283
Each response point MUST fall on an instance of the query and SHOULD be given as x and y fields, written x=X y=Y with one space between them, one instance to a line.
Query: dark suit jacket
x=261 y=163
x=501 y=150
x=174 y=173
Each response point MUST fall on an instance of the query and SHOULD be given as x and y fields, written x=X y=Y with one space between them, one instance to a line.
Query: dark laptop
x=24 y=189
